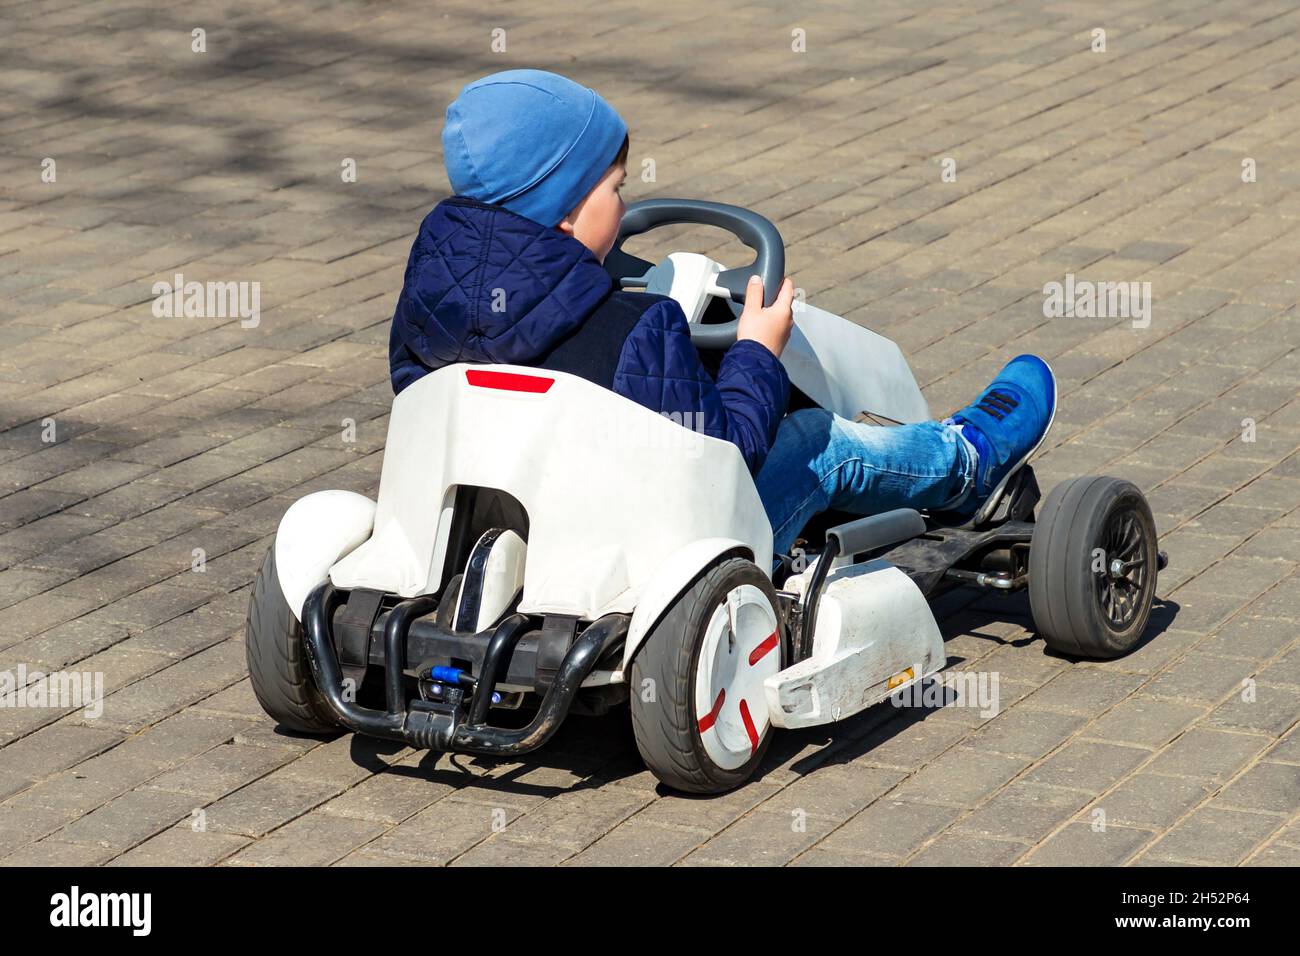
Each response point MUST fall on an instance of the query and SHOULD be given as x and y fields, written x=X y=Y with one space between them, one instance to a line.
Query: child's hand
x=769 y=326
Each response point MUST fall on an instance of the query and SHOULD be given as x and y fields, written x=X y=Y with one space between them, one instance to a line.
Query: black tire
x=277 y=667
x=1080 y=610
x=666 y=729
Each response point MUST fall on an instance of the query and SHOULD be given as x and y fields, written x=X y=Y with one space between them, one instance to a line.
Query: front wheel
x=1092 y=567
x=699 y=713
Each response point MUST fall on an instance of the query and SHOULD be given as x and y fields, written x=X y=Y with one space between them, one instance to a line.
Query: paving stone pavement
x=145 y=461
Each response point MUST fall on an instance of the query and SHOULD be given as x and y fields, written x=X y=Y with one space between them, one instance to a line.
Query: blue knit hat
x=531 y=141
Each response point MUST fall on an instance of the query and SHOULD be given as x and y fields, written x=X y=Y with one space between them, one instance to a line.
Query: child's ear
x=565 y=226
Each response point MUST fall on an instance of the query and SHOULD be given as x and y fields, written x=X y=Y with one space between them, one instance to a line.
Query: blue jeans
x=821 y=461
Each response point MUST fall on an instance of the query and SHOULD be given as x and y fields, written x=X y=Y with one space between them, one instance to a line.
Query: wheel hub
x=740 y=650
x=1121 y=586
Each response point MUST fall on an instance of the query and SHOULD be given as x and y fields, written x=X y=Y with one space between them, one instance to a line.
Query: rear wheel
x=1092 y=567
x=277 y=668
x=698 y=708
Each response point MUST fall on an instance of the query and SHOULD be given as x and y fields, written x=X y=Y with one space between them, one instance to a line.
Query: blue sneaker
x=1006 y=426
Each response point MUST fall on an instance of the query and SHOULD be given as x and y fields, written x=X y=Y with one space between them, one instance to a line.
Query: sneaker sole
x=995 y=497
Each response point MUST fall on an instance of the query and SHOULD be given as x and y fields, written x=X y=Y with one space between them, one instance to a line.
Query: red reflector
x=508 y=381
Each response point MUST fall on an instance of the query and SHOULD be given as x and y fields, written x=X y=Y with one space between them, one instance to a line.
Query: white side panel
x=669 y=581
x=314 y=533
x=873 y=624
x=840 y=365
x=611 y=489
x=848 y=369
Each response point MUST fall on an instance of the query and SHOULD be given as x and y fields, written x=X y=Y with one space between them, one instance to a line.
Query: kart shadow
x=590 y=752
x=585 y=753
x=874 y=727
x=1163 y=614
x=984 y=616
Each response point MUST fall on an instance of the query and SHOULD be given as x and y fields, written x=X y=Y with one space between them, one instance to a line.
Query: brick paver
x=145 y=461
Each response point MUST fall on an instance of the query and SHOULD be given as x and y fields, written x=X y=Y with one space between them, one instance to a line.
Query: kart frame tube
x=428 y=729
x=395 y=631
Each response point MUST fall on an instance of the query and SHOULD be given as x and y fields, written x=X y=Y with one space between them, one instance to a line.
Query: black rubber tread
x=1062 y=598
x=666 y=729
x=279 y=672
x=1050 y=534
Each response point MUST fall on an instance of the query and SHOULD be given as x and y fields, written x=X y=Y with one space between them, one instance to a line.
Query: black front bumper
x=460 y=722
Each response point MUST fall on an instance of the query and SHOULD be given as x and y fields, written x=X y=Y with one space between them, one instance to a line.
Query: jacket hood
x=484 y=284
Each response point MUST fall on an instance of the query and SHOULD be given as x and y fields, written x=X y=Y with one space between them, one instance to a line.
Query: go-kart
x=542 y=546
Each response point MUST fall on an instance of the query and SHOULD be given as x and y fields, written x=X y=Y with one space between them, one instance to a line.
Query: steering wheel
x=749 y=227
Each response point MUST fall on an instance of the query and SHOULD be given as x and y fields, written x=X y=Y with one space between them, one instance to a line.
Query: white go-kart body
x=626 y=508
x=545 y=545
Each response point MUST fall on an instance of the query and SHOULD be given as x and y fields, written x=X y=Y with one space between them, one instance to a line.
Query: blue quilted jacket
x=484 y=284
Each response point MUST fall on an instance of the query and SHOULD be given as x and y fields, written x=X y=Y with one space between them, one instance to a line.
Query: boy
x=509 y=270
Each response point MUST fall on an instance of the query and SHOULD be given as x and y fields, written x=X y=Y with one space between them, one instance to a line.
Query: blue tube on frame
x=455 y=676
